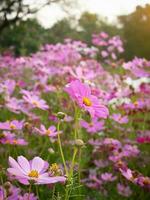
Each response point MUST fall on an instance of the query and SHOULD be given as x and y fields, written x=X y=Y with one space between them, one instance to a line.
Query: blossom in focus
x=35 y=170
x=81 y=93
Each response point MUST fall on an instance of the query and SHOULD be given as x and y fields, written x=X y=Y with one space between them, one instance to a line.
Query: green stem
x=29 y=192
x=44 y=146
x=61 y=151
x=37 y=192
x=53 y=193
x=79 y=169
x=73 y=162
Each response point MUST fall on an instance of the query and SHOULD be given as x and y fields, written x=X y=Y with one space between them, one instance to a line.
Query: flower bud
x=7 y=185
x=79 y=143
x=61 y=115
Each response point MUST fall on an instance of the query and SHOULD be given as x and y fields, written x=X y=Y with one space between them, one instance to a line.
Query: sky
x=105 y=8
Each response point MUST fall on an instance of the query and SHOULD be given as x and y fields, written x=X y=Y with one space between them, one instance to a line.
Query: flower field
x=75 y=123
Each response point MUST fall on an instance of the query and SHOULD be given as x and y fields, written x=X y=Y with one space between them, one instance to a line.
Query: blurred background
x=26 y=25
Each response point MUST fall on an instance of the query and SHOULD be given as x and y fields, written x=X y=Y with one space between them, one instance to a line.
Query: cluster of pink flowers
x=63 y=104
x=111 y=46
x=10 y=192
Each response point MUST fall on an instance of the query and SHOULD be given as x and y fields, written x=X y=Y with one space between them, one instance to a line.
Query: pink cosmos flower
x=94 y=126
x=11 y=193
x=101 y=163
x=130 y=150
x=8 y=86
x=124 y=190
x=81 y=73
x=143 y=139
x=10 y=138
x=12 y=125
x=14 y=105
x=81 y=93
x=34 y=101
x=35 y=170
x=14 y=193
x=26 y=196
x=51 y=131
x=108 y=177
x=115 y=144
x=104 y=54
x=139 y=104
x=127 y=174
x=120 y=119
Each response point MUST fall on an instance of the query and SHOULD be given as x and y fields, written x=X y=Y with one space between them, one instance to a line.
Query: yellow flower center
x=12 y=126
x=33 y=174
x=91 y=124
x=146 y=181
x=54 y=169
x=87 y=101
x=48 y=132
x=15 y=142
x=136 y=103
x=35 y=103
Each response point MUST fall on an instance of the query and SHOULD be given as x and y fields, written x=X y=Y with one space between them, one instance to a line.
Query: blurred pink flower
x=34 y=100
x=12 y=125
x=124 y=190
x=108 y=177
x=94 y=126
x=120 y=119
x=51 y=131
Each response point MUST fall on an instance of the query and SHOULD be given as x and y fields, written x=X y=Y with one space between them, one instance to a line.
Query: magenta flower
x=14 y=105
x=108 y=177
x=143 y=140
x=35 y=170
x=34 y=101
x=12 y=125
x=81 y=93
x=10 y=138
x=13 y=193
x=26 y=196
x=120 y=119
x=8 y=86
x=51 y=131
x=127 y=174
x=136 y=105
x=94 y=126
x=124 y=190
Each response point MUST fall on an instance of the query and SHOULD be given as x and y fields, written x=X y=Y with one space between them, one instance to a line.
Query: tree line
x=27 y=36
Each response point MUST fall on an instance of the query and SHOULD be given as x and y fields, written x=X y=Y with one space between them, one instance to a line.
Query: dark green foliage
x=136 y=32
x=23 y=38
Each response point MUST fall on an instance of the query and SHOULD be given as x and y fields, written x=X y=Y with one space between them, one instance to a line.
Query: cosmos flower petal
x=14 y=164
x=50 y=180
x=15 y=172
x=37 y=164
x=24 y=163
